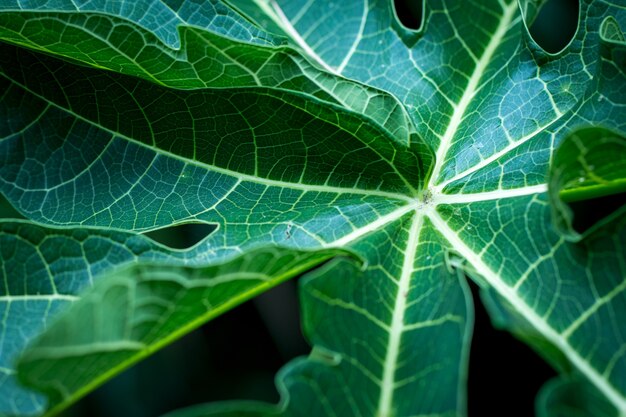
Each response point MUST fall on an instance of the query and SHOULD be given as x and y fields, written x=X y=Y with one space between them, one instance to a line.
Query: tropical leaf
x=315 y=125
x=43 y=271
x=46 y=269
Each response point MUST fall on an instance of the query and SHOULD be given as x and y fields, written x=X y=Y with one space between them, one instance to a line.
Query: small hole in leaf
x=589 y=212
x=182 y=236
x=409 y=13
x=555 y=25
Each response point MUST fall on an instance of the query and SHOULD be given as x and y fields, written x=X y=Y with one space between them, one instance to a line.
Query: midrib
x=470 y=90
x=534 y=319
x=37 y=297
x=371 y=227
x=240 y=176
x=385 y=402
x=438 y=198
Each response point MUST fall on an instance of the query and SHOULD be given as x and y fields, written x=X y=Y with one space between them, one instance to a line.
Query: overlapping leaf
x=43 y=270
x=589 y=164
x=294 y=194
x=46 y=269
x=277 y=150
x=147 y=306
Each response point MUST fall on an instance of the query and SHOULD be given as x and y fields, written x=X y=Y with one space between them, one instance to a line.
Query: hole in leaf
x=587 y=213
x=182 y=236
x=410 y=13
x=555 y=25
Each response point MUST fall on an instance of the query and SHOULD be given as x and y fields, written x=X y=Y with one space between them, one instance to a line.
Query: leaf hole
x=555 y=25
x=181 y=236
x=410 y=13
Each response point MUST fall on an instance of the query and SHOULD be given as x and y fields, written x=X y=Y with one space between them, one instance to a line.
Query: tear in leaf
x=555 y=24
x=182 y=236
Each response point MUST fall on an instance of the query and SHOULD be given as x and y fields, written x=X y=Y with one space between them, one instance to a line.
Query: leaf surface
x=140 y=308
x=313 y=125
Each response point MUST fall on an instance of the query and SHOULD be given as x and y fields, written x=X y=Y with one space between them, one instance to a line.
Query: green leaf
x=317 y=125
x=44 y=270
x=588 y=164
x=138 y=309
x=581 y=152
x=566 y=397
x=181 y=55
x=365 y=360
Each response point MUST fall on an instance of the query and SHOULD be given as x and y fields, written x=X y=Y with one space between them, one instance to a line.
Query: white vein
x=470 y=90
x=534 y=319
x=7 y=371
x=594 y=308
x=488 y=195
x=274 y=12
x=385 y=402
x=504 y=151
x=372 y=227
x=357 y=39
x=37 y=297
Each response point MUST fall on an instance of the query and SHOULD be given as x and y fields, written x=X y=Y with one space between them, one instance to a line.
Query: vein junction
x=421 y=210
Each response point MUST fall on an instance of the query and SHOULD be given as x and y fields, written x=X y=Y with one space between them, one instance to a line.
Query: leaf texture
x=315 y=125
x=135 y=310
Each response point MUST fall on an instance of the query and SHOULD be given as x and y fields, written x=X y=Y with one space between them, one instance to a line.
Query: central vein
x=385 y=403
x=470 y=90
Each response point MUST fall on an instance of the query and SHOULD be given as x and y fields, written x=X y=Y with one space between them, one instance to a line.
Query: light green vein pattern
x=339 y=129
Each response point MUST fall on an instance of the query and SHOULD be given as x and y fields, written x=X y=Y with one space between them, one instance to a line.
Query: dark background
x=237 y=355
